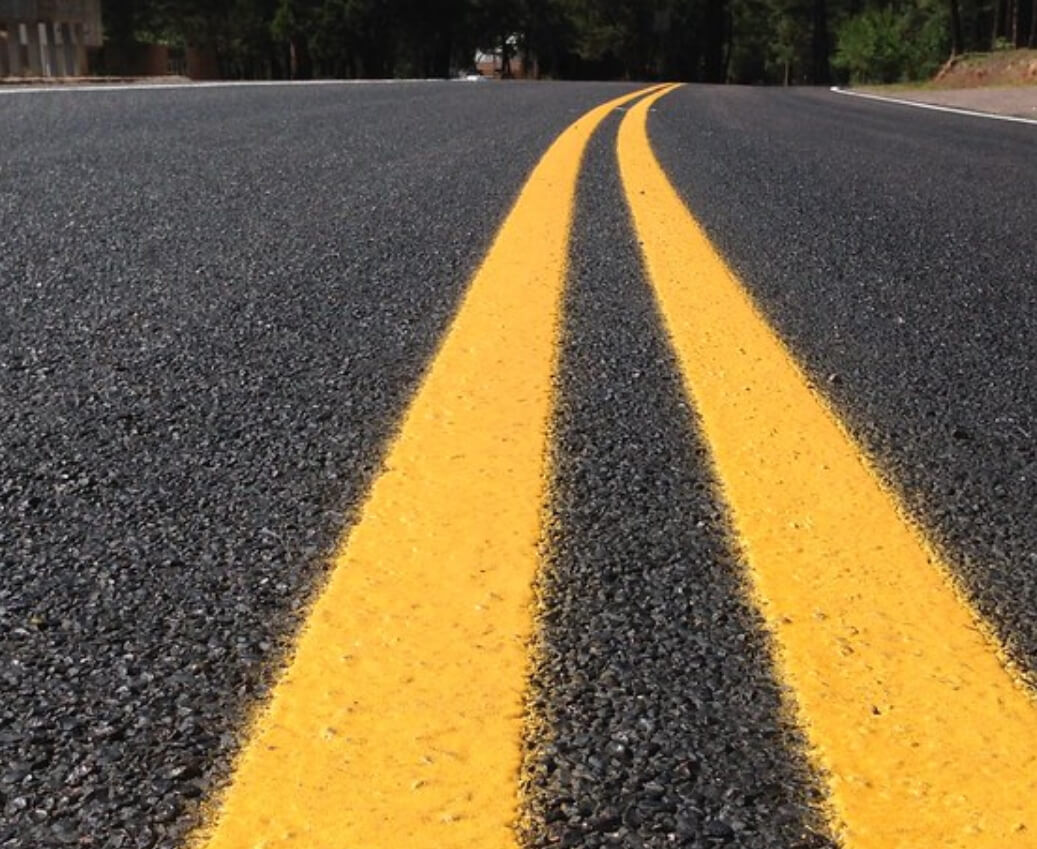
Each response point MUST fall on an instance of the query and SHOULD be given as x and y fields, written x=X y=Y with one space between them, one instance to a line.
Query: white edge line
x=59 y=87
x=1015 y=119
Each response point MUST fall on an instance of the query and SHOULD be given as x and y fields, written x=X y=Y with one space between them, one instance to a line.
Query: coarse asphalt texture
x=216 y=302
x=893 y=250
x=664 y=724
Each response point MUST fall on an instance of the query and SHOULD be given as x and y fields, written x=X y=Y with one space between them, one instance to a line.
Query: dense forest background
x=743 y=41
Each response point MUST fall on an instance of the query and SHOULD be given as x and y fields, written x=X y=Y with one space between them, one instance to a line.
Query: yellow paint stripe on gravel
x=926 y=739
x=398 y=722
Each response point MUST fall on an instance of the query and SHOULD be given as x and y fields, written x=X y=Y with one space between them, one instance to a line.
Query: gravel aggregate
x=213 y=306
x=662 y=724
x=893 y=249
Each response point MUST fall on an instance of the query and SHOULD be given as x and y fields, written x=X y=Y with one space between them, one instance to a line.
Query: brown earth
x=1003 y=68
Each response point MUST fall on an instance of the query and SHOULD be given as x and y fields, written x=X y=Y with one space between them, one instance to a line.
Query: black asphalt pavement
x=213 y=307
x=666 y=724
x=895 y=250
x=215 y=303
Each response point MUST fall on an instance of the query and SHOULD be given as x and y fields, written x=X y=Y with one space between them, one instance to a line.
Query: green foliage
x=750 y=41
x=932 y=40
x=883 y=45
x=873 y=46
x=789 y=52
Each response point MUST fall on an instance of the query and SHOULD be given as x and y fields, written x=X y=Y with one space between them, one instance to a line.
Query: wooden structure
x=48 y=38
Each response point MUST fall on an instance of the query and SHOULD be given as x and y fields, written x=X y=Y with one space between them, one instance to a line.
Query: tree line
x=741 y=41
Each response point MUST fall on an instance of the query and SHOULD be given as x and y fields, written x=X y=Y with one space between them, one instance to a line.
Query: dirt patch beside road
x=1003 y=67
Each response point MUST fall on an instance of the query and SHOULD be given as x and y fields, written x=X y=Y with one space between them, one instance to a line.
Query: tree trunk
x=301 y=64
x=713 y=37
x=505 y=58
x=729 y=42
x=957 y=42
x=997 y=24
x=822 y=72
x=442 y=57
x=1033 y=24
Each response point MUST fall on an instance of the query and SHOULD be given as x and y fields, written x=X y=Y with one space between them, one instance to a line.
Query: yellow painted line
x=926 y=741
x=398 y=722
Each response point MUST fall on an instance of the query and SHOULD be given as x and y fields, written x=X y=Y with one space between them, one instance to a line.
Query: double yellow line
x=398 y=722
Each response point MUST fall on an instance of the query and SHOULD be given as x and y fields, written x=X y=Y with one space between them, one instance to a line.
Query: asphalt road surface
x=216 y=304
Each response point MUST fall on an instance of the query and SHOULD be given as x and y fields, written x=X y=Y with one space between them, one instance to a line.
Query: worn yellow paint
x=398 y=722
x=927 y=742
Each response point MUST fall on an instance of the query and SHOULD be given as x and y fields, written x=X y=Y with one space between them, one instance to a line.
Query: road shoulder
x=1006 y=101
